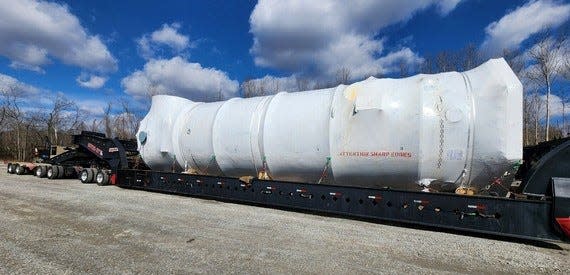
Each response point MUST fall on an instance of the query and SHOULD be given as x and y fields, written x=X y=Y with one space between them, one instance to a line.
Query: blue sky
x=100 y=51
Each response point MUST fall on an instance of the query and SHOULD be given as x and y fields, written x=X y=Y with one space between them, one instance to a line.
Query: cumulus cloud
x=9 y=84
x=91 y=81
x=169 y=36
x=557 y=107
x=179 y=77
x=322 y=36
x=35 y=32
x=93 y=107
x=518 y=25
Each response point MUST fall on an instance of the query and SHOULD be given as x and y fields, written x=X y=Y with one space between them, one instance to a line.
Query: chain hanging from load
x=439 y=108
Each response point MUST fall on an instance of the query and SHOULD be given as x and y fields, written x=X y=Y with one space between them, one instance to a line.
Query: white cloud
x=179 y=77
x=518 y=25
x=554 y=52
x=393 y=60
x=446 y=6
x=168 y=35
x=556 y=106
x=91 y=81
x=93 y=107
x=322 y=36
x=9 y=84
x=33 y=32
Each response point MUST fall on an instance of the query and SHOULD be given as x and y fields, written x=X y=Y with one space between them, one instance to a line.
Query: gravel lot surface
x=63 y=226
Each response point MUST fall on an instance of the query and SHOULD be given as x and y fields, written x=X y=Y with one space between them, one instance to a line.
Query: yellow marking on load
x=351 y=92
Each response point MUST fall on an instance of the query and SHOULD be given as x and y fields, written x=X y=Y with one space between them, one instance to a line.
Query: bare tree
x=428 y=66
x=445 y=61
x=273 y=87
x=107 y=123
x=546 y=56
x=220 y=94
x=515 y=60
x=343 y=75
x=15 y=117
x=260 y=87
x=302 y=83
x=125 y=125
x=469 y=57
x=564 y=127
x=249 y=87
x=95 y=125
x=404 y=68
x=57 y=117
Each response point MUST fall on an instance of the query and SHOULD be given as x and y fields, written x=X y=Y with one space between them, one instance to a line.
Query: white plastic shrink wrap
x=464 y=128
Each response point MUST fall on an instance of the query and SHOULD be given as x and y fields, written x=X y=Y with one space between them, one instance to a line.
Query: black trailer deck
x=520 y=218
x=540 y=210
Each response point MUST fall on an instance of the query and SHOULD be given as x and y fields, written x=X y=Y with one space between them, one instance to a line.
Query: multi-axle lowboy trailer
x=92 y=158
x=537 y=207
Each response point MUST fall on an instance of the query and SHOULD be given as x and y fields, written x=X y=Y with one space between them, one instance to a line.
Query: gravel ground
x=63 y=226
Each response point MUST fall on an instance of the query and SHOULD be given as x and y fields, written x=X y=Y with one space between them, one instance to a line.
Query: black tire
x=86 y=175
x=52 y=172
x=60 y=172
x=102 y=178
x=41 y=171
x=20 y=170
x=93 y=174
x=10 y=168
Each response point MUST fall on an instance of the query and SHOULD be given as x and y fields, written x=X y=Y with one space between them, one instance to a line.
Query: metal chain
x=441 y=132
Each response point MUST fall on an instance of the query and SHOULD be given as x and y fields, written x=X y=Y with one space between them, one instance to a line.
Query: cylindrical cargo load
x=460 y=128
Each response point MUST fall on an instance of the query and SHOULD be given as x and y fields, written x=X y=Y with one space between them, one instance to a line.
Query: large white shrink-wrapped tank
x=463 y=128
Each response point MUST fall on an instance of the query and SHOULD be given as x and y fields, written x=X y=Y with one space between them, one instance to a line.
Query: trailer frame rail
x=519 y=218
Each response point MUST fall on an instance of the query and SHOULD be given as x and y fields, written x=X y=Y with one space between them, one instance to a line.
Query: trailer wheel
x=20 y=170
x=94 y=172
x=41 y=171
x=86 y=175
x=10 y=168
x=60 y=172
x=102 y=178
x=52 y=172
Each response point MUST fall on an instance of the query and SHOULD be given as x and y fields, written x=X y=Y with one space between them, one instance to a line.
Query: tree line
x=25 y=127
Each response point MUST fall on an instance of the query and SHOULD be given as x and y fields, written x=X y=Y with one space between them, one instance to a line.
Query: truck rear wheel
x=41 y=171
x=60 y=172
x=52 y=172
x=10 y=168
x=20 y=170
x=86 y=175
x=102 y=178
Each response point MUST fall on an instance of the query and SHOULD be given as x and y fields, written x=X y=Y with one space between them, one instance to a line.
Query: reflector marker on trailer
x=477 y=206
x=302 y=190
x=375 y=197
x=421 y=202
x=198 y=181
x=335 y=194
x=270 y=188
